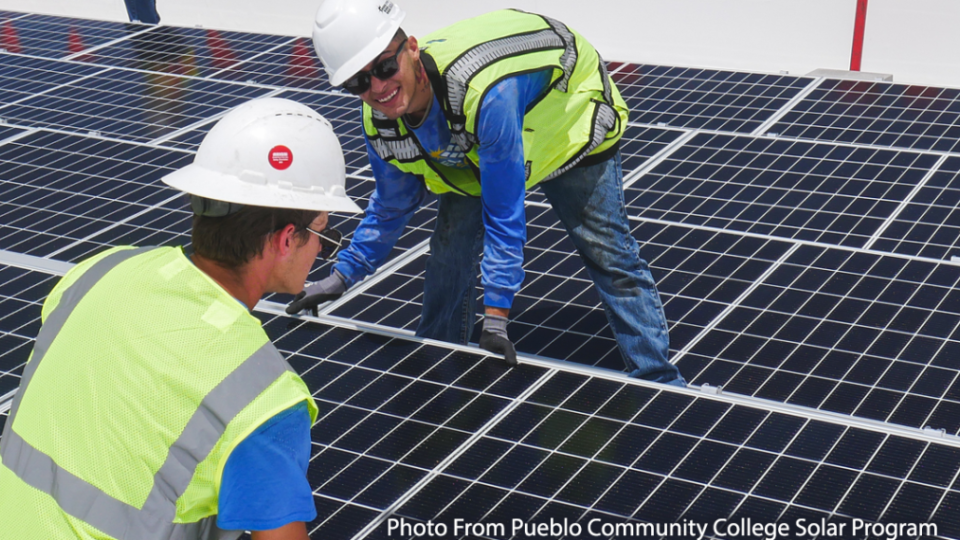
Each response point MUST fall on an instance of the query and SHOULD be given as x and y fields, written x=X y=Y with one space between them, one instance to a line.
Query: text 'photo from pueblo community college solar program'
x=803 y=233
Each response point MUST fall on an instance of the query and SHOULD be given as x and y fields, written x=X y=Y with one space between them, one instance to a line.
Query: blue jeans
x=589 y=203
x=144 y=11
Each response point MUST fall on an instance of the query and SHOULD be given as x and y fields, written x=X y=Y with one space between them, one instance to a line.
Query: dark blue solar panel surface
x=725 y=220
x=291 y=65
x=704 y=98
x=22 y=77
x=557 y=313
x=131 y=105
x=60 y=37
x=847 y=332
x=186 y=51
x=586 y=449
x=929 y=226
x=797 y=190
x=59 y=189
x=884 y=114
x=390 y=411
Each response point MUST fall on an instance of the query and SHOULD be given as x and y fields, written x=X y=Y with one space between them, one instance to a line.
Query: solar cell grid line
x=876 y=113
x=792 y=189
x=558 y=314
x=866 y=335
x=929 y=225
x=704 y=98
x=11 y=15
x=387 y=405
x=59 y=188
x=764 y=128
x=157 y=225
x=894 y=216
x=50 y=36
x=9 y=133
x=544 y=421
x=176 y=50
x=709 y=327
x=22 y=77
x=719 y=459
x=135 y=106
x=290 y=65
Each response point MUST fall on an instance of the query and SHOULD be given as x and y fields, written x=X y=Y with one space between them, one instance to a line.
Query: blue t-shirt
x=264 y=484
x=503 y=175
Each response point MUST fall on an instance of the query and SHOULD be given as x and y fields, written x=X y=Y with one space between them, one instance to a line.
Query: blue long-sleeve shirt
x=399 y=194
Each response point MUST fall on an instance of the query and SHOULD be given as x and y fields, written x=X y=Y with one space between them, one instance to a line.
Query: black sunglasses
x=382 y=70
x=330 y=241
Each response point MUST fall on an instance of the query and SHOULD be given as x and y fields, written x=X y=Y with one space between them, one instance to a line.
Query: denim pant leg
x=450 y=287
x=144 y=11
x=589 y=202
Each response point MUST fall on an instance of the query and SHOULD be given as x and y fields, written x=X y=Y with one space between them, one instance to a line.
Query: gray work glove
x=328 y=288
x=494 y=338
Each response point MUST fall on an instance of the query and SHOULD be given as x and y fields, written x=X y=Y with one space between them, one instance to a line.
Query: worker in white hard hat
x=477 y=113
x=154 y=406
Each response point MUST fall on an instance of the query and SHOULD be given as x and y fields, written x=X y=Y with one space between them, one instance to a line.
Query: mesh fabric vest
x=146 y=374
x=582 y=113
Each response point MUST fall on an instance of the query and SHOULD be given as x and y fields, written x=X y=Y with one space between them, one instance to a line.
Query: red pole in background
x=858 y=27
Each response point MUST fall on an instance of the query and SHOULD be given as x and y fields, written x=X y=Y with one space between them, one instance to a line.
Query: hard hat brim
x=198 y=180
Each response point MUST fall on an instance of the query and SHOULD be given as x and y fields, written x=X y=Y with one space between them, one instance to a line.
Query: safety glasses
x=382 y=70
x=330 y=241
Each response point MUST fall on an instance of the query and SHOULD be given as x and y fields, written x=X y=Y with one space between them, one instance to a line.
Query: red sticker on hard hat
x=280 y=157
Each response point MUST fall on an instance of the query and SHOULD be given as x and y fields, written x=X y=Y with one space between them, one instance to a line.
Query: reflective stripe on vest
x=88 y=503
x=459 y=73
x=463 y=63
x=605 y=118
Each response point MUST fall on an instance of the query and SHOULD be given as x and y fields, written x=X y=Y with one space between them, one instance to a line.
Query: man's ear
x=285 y=240
x=414 y=47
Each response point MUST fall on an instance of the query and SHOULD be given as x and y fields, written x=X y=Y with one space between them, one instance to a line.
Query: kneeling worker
x=478 y=113
x=154 y=406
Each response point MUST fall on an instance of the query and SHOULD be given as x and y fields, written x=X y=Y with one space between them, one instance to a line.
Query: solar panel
x=874 y=113
x=390 y=411
x=60 y=190
x=812 y=273
x=23 y=77
x=557 y=313
x=600 y=452
x=131 y=105
x=291 y=65
x=929 y=225
x=186 y=51
x=703 y=98
x=60 y=37
x=854 y=333
x=798 y=190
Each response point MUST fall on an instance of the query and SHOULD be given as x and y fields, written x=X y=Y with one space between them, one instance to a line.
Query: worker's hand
x=328 y=288
x=494 y=338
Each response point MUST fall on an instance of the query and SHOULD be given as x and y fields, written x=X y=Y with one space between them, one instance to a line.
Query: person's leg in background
x=589 y=203
x=450 y=287
x=144 y=11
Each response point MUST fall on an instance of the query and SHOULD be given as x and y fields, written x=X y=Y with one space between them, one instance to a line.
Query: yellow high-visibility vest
x=146 y=374
x=582 y=114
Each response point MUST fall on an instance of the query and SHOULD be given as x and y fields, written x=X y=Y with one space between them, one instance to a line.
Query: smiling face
x=408 y=91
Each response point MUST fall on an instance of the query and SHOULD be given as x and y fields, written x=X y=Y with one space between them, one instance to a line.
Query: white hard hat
x=269 y=152
x=349 y=34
